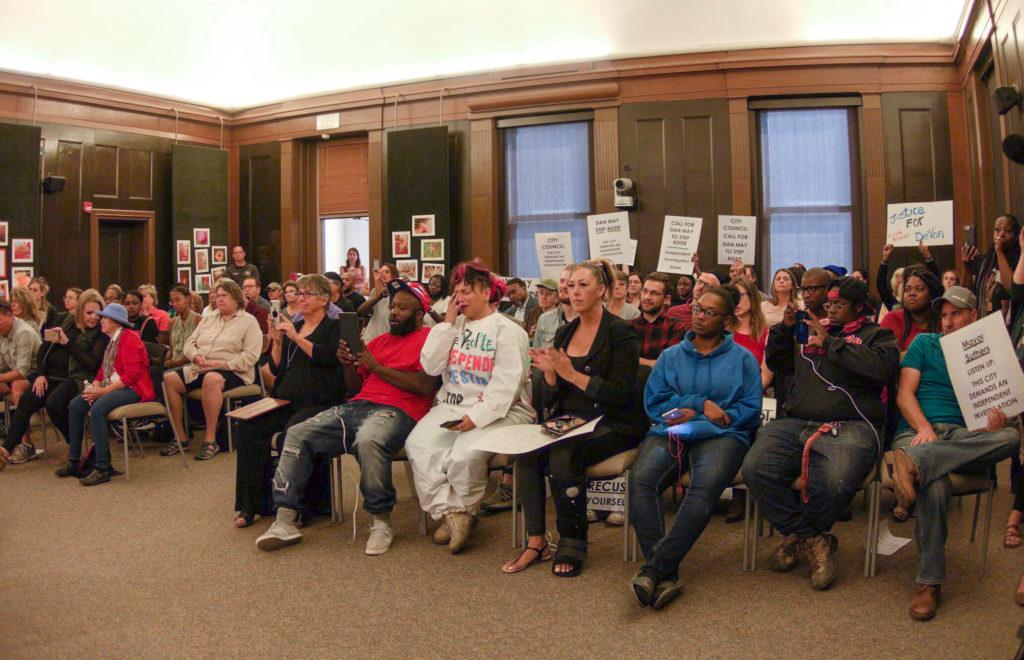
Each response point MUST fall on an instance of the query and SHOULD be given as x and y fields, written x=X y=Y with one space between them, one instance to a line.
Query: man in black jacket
x=830 y=437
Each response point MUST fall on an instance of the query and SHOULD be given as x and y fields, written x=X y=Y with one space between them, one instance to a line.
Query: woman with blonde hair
x=159 y=316
x=24 y=306
x=783 y=292
x=748 y=325
x=40 y=288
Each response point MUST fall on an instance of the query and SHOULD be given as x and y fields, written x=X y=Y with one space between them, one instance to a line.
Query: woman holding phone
x=307 y=374
x=70 y=353
x=704 y=397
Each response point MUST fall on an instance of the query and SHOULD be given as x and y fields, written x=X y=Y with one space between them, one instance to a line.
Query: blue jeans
x=373 y=432
x=712 y=464
x=97 y=413
x=838 y=466
x=956 y=450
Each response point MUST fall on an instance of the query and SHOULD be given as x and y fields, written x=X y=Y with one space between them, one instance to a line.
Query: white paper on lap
x=523 y=438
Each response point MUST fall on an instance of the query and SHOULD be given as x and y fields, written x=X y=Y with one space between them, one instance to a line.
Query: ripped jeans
x=373 y=433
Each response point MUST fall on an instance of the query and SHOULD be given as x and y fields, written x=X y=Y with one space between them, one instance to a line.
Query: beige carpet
x=153 y=567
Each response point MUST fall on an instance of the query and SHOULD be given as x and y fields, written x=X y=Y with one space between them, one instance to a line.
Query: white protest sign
x=769 y=409
x=609 y=236
x=679 y=239
x=909 y=224
x=737 y=238
x=554 y=252
x=631 y=254
x=607 y=494
x=984 y=370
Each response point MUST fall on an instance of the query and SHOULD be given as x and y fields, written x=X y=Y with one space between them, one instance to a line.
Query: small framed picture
x=429 y=270
x=5 y=290
x=432 y=249
x=3 y=233
x=408 y=269
x=203 y=282
x=401 y=244
x=184 y=252
x=20 y=272
x=185 y=278
x=202 y=260
x=23 y=250
x=219 y=256
x=3 y=262
x=423 y=225
x=201 y=237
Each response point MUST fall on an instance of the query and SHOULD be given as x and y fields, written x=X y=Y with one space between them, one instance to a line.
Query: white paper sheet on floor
x=888 y=544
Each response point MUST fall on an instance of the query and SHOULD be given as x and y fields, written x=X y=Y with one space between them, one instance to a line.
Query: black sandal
x=246 y=518
x=572 y=552
x=540 y=555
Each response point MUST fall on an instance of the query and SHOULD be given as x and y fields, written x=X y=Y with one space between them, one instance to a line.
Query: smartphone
x=969 y=235
x=349 y=323
x=51 y=335
x=802 y=332
x=677 y=415
x=451 y=424
x=275 y=309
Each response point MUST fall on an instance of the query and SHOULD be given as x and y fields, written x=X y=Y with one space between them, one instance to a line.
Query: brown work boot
x=925 y=602
x=820 y=551
x=460 y=524
x=787 y=556
x=442 y=534
x=904 y=483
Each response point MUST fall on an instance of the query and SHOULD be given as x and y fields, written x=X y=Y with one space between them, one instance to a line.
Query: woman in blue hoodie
x=704 y=398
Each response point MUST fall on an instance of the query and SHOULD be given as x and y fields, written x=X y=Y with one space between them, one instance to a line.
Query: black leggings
x=567 y=462
x=55 y=399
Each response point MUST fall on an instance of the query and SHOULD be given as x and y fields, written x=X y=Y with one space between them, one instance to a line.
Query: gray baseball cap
x=958 y=296
x=549 y=284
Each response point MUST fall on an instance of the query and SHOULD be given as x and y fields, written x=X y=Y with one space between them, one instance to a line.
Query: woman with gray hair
x=307 y=374
x=222 y=354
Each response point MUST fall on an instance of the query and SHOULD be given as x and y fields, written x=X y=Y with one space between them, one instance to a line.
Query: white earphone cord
x=833 y=387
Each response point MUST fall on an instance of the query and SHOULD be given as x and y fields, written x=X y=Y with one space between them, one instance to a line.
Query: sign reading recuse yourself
x=679 y=239
x=609 y=236
x=909 y=224
x=554 y=253
x=984 y=370
x=737 y=235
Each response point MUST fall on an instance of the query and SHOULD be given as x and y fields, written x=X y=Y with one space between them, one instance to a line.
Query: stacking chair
x=337 y=492
x=43 y=421
x=232 y=398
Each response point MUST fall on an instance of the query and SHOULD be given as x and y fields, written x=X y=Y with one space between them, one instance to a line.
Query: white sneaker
x=380 y=537
x=278 y=535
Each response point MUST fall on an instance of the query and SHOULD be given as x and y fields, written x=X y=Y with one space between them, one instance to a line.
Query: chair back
x=157 y=356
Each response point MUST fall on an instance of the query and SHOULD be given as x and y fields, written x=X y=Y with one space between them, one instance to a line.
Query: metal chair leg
x=746 y=531
x=230 y=404
x=515 y=506
x=337 y=502
x=977 y=509
x=625 y=519
x=124 y=433
x=988 y=524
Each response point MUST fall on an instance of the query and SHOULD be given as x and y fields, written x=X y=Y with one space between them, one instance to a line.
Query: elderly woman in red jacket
x=123 y=378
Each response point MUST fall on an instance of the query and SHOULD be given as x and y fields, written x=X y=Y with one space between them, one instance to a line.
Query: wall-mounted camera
x=1005 y=98
x=625 y=195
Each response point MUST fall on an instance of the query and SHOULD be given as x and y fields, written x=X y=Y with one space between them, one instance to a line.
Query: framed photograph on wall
x=22 y=250
x=3 y=263
x=5 y=290
x=219 y=256
x=203 y=283
x=22 y=271
x=401 y=244
x=201 y=237
x=432 y=249
x=429 y=270
x=184 y=252
x=185 y=278
x=202 y=260
x=3 y=233
x=408 y=269
x=423 y=225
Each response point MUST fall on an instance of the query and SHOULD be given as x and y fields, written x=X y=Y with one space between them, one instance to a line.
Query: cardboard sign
x=909 y=224
x=769 y=409
x=737 y=238
x=984 y=370
x=554 y=253
x=679 y=239
x=607 y=494
x=631 y=260
x=609 y=237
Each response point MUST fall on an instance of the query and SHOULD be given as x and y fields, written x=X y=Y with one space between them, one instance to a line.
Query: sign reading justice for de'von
x=909 y=224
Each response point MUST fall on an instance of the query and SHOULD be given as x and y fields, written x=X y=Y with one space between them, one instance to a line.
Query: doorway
x=339 y=234
x=122 y=248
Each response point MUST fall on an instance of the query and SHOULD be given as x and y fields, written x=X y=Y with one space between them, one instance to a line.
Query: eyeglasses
x=804 y=290
x=838 y=305
x=706 y=312
x=304 y=294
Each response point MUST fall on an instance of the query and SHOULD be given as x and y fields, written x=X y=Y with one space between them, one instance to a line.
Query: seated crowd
x=676 y=369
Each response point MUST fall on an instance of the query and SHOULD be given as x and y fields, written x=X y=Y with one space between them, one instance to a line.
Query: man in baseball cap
x=932 y=440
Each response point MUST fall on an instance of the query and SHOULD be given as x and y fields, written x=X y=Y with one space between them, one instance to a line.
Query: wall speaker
x=52 y=184
x=1005 y=98
x=1013 y=147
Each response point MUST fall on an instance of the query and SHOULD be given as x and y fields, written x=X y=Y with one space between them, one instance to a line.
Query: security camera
x=623 y=200
x=325 y=136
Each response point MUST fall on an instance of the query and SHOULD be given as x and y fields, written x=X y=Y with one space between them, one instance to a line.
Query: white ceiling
x=235 y=54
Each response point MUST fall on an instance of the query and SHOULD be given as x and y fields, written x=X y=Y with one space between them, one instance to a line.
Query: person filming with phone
x=391 y=393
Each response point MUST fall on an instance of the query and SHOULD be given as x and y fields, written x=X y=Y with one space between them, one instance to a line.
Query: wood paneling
x=140 y=174
x=484 y=159
x=259 y=213
x=678 y=154
x=872 y=160
x=343 y=177
x=606 y=158
x=106 y=171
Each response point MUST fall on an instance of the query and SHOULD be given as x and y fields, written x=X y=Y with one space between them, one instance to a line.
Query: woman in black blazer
x=590 y=371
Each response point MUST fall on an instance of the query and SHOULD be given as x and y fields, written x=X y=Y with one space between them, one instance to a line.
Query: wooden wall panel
x=485 y=179
x=679 y=155
x=606 y=158
x=105 y=171
x=259 y=212
x=343 y=177
x=140 y=173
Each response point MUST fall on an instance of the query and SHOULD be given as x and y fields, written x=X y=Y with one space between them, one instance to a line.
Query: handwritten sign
x=609 y=236
x=737 y=238
x=607 y=494
x=679 y=239
x=984 y=370
x=554 y=252
x=909 y=224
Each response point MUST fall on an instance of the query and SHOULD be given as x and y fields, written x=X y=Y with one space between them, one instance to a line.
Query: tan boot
x=787 y=555
x=904 y=483
x=460 y=525
x=442 y=534
x=820 y=551
x=925 y=602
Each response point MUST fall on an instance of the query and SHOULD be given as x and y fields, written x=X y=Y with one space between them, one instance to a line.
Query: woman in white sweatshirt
x=483 y=360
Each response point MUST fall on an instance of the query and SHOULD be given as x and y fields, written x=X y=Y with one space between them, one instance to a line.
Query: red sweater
x=132 y=365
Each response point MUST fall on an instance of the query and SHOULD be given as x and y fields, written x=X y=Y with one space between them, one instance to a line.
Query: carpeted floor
x=153 y=567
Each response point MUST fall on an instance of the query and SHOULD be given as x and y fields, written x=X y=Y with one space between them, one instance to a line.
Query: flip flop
x=540 y=555
x=1011 y=538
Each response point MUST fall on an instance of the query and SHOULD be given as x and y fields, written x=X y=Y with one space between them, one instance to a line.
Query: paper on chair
x=888 y=544
x=524 y=438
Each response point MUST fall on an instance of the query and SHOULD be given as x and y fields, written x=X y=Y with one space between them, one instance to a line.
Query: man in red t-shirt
x=393 y=394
